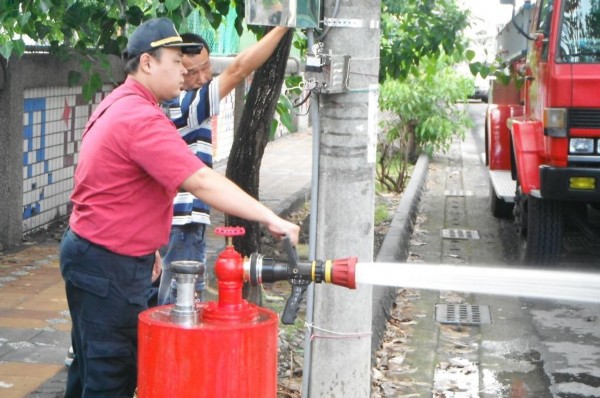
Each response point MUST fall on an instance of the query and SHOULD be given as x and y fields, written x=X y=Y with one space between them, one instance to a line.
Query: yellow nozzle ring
x=328 y=271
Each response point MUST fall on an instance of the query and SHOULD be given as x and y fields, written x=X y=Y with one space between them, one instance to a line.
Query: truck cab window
x=544 y=21
x=545 y=17
x=580 y=32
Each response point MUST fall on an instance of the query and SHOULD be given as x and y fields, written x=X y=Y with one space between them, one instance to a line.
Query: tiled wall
x=53 y=121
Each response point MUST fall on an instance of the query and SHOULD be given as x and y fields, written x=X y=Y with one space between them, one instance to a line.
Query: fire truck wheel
x=500 y=208
x=541 y=238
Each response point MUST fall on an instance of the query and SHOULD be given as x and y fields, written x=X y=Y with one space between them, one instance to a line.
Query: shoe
x=70 y=356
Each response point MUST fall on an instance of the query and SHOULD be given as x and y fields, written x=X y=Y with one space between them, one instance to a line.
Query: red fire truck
x=543 y=128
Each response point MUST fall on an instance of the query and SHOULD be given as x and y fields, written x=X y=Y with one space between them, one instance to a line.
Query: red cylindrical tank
x=229 y=350
x=210 y=359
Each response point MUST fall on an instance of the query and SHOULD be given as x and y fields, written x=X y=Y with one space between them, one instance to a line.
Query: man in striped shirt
x=192 y=113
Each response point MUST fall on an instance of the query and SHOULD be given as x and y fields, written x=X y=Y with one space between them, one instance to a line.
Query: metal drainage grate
x=459 y=234
x=457 y=192
x=463 y=314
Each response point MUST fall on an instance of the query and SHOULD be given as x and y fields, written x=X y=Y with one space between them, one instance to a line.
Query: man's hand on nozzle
x=280 y=228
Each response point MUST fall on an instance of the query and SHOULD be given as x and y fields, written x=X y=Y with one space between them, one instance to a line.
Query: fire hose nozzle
x=343 y=272
x=257 y=270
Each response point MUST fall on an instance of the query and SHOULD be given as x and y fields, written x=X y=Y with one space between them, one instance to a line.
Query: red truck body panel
x=550 y=82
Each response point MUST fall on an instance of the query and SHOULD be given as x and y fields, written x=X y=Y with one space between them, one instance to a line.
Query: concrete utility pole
x=340 y=357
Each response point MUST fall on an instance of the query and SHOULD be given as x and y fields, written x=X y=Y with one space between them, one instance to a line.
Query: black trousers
x=105 y=292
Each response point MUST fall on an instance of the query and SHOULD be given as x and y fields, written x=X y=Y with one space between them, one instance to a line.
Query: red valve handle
x=230 y=231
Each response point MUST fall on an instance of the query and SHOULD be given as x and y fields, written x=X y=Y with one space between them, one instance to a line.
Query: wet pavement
x=533 y=348
x=34 y=319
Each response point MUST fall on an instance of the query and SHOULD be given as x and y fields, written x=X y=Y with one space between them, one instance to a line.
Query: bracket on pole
x=350 y=23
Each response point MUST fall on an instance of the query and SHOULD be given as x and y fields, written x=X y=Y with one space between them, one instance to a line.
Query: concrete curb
x=395 y=248
x=294 y=203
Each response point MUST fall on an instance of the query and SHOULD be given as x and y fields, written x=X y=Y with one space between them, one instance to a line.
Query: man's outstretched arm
x=222 y=194
x=249 y=60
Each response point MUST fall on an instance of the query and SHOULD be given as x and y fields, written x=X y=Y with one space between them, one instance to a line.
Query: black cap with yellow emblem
x=155 y=33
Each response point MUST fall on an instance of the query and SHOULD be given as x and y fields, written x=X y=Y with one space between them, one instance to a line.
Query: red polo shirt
x=131 y=164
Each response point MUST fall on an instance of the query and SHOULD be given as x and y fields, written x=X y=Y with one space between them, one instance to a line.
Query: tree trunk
x=252 y=136
x=411 y=143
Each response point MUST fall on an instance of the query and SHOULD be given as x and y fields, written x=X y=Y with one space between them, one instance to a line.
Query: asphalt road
x=534 y=348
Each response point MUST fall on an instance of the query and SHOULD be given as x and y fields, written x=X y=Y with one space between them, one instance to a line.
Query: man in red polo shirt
x=131 y=164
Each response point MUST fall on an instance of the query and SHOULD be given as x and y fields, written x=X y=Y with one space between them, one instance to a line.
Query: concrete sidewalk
x=34 y=319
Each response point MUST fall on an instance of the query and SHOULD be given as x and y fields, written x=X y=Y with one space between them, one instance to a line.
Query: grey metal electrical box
x=291 y=13
x=329 y=71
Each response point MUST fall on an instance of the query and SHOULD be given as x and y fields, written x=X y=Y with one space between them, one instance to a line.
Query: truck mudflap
x=528 y=144
x=555 y=184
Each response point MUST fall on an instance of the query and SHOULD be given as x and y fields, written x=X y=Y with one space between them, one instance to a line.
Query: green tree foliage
x=421 y=40
x=91 y=30
x=413 y=29
x=422 y=115
x=88 y=26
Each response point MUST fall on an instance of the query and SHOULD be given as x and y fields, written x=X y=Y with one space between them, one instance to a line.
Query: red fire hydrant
x=225 y=349
x=219 y=349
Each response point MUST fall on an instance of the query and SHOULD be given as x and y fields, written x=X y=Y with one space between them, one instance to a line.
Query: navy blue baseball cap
x=155 y=33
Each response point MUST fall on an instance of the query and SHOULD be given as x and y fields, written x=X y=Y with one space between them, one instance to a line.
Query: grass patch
x=381 y=213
